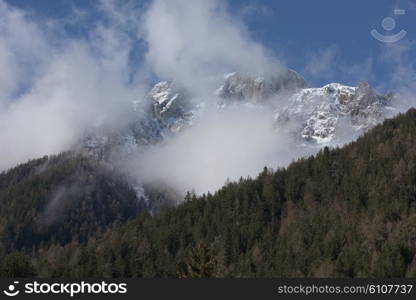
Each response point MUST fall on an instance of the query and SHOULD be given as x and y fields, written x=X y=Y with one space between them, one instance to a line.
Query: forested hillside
x=347 y=212
x=60 y=199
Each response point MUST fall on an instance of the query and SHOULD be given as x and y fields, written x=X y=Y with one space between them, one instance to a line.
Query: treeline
x=347 y=212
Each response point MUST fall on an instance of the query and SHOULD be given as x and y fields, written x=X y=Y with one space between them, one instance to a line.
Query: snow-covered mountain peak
x=319 y=113
x=316 y=116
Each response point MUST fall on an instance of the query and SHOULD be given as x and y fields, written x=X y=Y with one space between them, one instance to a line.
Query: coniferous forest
x=348 y=212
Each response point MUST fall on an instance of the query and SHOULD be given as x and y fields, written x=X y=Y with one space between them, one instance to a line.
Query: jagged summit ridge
x=316 y=116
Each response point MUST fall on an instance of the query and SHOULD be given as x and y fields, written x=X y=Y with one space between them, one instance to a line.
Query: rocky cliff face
x=243 y=87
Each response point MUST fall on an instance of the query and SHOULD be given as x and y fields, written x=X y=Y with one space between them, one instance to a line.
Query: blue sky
x=301 y=33
x=299 y=28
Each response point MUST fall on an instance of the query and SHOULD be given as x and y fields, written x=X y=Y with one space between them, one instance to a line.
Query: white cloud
x=235 y=142
x=196 y=43
x=22 y=51
x=53 y=87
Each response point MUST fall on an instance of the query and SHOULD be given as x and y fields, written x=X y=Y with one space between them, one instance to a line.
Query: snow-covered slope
x=325 y=115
